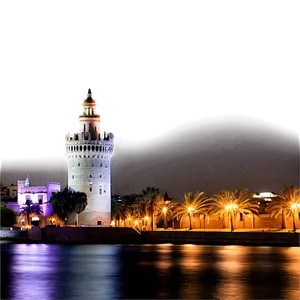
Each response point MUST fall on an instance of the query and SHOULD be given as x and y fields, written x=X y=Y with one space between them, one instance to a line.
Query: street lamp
x=165 y=216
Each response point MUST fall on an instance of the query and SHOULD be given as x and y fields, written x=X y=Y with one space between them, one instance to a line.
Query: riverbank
x=119 y=235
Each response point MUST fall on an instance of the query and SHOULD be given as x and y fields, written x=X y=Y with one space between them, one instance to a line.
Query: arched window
x=84 y=148
x=80 y=148
x=93 y=148
x=97 y=148
x=89 y=148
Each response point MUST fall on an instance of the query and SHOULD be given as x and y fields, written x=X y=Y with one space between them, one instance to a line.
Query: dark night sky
x=214 y=151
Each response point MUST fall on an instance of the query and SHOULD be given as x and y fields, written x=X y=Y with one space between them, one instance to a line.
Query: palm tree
x=231 y=202
x=28 y=209
x=119 y=211
x=287 y=205
x=193 y=203
x=150 y=198
x=79 y=201
x=164 y=211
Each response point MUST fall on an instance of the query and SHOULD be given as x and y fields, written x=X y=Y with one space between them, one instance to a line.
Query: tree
x=119 y=211
x=150 y=198
x=79 y=201
x=287 y=206
x=164 y=211
x=193 y=203
x=8 y=216
x=231 y=202
x=67 y=202
x=28 y=209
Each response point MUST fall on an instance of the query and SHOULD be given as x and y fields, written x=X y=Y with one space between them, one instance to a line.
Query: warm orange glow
x=146 y=218
x=231 y=206
x=190 y=209
x=165 y=210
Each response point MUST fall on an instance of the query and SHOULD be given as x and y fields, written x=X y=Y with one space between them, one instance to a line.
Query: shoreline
x=120 y=235
x=29 y=242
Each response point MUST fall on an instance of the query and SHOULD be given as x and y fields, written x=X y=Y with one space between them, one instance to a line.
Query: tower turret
x=89 y=165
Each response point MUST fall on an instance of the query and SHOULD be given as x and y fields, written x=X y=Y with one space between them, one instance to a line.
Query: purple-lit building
x=36 y=195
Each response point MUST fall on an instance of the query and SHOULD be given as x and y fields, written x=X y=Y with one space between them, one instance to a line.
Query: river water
x=42 y=272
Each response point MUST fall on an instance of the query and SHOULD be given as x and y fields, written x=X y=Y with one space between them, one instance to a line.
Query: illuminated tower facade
x=89 y=154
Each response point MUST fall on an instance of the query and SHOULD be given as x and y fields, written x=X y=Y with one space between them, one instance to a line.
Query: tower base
x=90 y=219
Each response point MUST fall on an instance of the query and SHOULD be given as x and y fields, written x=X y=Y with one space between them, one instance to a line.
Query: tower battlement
x=86 y=136
x=89 y=153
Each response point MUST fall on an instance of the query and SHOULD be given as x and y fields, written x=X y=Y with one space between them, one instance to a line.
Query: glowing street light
x=231 y=207
x=190 y=209
x=295 y=207
x=165 y=216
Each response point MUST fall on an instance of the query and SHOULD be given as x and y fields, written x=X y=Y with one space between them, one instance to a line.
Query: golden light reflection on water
x=232 y=265
x=164 y=261
x=292 y=267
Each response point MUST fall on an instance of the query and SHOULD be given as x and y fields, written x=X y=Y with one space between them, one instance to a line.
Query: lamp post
x=165 y=216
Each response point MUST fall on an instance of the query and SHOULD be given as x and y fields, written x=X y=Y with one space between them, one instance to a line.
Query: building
x=89 y=154
x=35 y=194
x=264 y=199
x=9 y=193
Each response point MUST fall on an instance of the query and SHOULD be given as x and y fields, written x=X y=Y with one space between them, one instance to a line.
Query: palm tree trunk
x=253 y=221
x=204 y=221
x=294 y=224
x=190 y=221
x=77 y=220
x=231 y=223
x=165 y=221
x=28 y=219
x=152 y=222
x=282 y=220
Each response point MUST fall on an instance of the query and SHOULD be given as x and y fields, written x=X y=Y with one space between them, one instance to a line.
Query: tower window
x=89 y=148
x=78 y=164
x=241 y=216
x=73 y=176
x=90 y=176
x=84 y=148
x=100 y=191
x=100 y=176
x=90 y=188
x=101 y=165
x=93 y=148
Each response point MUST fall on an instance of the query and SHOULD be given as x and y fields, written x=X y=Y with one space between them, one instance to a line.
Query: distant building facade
x=9 y=193
x=35 y=194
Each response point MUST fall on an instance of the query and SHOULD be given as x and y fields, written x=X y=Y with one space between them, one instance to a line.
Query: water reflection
x=148 y=271
x=233 y=264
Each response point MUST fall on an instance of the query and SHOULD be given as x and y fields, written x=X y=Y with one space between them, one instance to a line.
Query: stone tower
x=89 y=155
